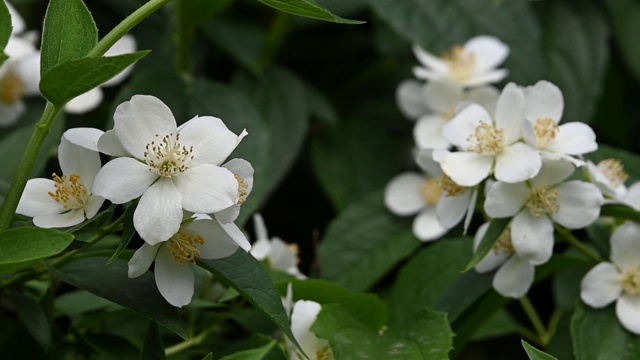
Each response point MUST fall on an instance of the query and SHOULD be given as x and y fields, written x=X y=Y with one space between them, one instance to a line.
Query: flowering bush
x=440 y=179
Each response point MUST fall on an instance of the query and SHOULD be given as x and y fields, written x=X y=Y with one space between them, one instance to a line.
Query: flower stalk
x=537 y=323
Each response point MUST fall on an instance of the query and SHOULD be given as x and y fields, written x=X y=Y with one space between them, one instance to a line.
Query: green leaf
x=577 y=53
x=152 y=349
x=21 y=247
x=245 y=274
x=128 y=230
x=33 y=317
x=209 y=356
x=243 y=41
x=69 y=33
x=3 y=57
x=320 y=106
x=535 y=354
x=426 y=336
x=625 y=18
x=199 y=11
x=5 y=25
x=630 y=161
x=366 y=308
x=597 y=334
x=437 y=25
x=307 y=8
x=261 y=353
x=111 y=347
x=620 y=212
x=496 y=228
x=75 y=303
x=364 y=243
x=112 y=283
x=348 y=169
x=65 y=81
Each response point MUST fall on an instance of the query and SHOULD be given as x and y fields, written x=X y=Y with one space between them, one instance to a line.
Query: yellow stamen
x=486 y=139
x=183 y=246
x=543 y=200
x=168 y=157
x=242 y=189
x=461 y=63
x=546 y=131
x=504 y=245
x=613 y=170
x=431 y=191
x=631 y=281
x=12 y=88
x=71 y=192
x=449 y=187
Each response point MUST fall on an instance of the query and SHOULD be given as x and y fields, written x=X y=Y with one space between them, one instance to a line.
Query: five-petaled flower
x=278 y=254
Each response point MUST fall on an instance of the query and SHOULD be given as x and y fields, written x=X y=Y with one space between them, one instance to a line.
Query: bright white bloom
x=515 y=275
x=410 y=99
x=200 y=237
x=543 y=110
x=303 y=315
x=171 y=168
x=439 y=202
x=92 y=98
x=278 y=254
x=66 y=200
x=486 y=145
x=609 y=176
x=20 y=74
x=473 y=64
x=618 y=280
x=445 y=99
x=243 y=172
x=535 y=205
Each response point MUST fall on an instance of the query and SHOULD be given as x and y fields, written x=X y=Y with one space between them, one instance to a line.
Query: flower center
x=183 y=246
x=325 y=353
x=449 y=187
x=461 y=64
x=71 y=192
x=242 y=189
x=168 y=157
x=613 y=170
x=431 y=191
x=504 y=245
x=543 y=200
x=631 y=281
x=546 y=131
x=12 y=88
x=486 y=139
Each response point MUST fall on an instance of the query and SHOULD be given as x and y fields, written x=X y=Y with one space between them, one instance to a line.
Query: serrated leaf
x=5 y=26
x=535 y=354
x=496 y=228
x=625 y=19
x=33 y=317
x=69 y=33
x=364 y=243
x=113 y=283
x=307 y=8
x=152 y=349
x=245 y=274
x=21 y=247
x=128 y=230
x=438 y=25
x=72 y=78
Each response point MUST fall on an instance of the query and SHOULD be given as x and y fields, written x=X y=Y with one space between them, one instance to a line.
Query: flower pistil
x=168 y=157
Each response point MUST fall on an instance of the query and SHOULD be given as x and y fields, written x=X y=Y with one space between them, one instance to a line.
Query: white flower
x=543 y=110
x=92 y=98
x=243 y=172
x=439 y=202
x=200 y=237
x=20 y=74
x=618 y=280
x=473 y=64
x=486 y=145
x=171 y=168
x=609 y=176
x=66 y=200
x=445 y=99
x=515 y=275
x=410 y=99
x=278 y=254
x=535 y=205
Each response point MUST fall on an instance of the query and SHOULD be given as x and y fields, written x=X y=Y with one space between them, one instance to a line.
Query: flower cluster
x=188 y=196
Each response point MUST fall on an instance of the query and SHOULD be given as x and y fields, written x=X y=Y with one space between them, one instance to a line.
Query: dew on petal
x=613 y=170
x=631 y=281
x=168 y=157
x=12 y=88
x=546 y=130
x=70 y=192
x=450 y=187
x=431 y=191
x=486 y=139
x=543 y=200
x=183 y=246
x=461 y=63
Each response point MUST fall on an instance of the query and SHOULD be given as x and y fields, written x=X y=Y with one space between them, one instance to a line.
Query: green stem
x=51 y=112
x=279 y=31
x=568 y=236
x=195 y=341
x=185 y=35
x=537 y=323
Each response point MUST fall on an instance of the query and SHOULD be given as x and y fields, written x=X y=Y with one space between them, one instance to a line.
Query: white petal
x=410 y=99
x=243 y=169
x=532 y=237
x=487 y=77
x=229 y=214
x=259 y=227
x=207 y=188
x=464 y=124
x=466 y=168
x=217 y=243
x=425 y=161
x=544 y=100
x=426 y=226
x=236 y=235
x=403 y=194
x=85 y=137
x=486 y=96
x=140 y=121
x=303 y=316
x=488 y=51
x=552 y=172
x=442 y=96
x=16 y=20
x=261 y=248
x=212 y=141
x=70 y=218
x=428 y=74
x=427 y=132
x=11 y=113
x=451 y=209
x=470 y=210
x=85 y=102
x=175 y=282
x=492 y=260
x=93 y=206
x=504 y=199
x=429 y=60
x=282 y=257
x=517 y=162
x=36 y=200
x=628 y=312
x=601 y=285
x=77 y=160
x=29 y=71
x=601 y=181
x=159 y=212
x=510 y=112
x=632 y=196
x=122 y=180
x=574 y=138
x=514 y=278
x=126 y=45
x=625 y=246
x=579 y=203
x=141 y=260
x=110 y=144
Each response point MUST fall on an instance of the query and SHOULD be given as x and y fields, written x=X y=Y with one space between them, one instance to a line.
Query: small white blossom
x=473 y=64
x=618 y=280
x=278 y=254
x=609 y=176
